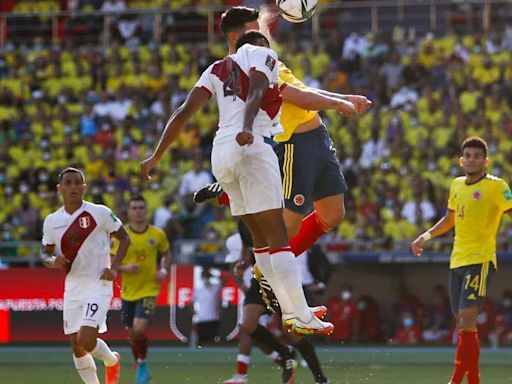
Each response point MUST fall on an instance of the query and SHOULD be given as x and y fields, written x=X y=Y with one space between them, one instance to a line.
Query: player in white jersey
x=245 y=85
x=77 y=237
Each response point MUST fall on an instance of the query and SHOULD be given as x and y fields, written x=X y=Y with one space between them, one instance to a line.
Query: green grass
x=45 y=365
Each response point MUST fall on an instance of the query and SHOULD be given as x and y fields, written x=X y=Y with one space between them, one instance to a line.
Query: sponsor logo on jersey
x=299 y=199
x=477 y=195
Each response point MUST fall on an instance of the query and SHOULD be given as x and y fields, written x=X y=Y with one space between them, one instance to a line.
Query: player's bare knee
x=86 y=342
x=332 y=218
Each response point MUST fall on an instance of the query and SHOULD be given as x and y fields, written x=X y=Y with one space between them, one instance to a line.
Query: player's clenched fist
x=244 y=138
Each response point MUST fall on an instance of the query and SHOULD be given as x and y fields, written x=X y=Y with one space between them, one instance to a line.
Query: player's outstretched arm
x=258 y=85
x=442 y=226
x=361 y=103
x=316 y=101
x=196 y=99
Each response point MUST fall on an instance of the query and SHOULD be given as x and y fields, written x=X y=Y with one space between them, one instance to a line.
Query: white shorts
x=250 y=175
x=90 y=312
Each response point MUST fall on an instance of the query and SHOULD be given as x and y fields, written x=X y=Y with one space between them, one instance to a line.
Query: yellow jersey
x=478 y=208
x=143 y=251
x=291 y=115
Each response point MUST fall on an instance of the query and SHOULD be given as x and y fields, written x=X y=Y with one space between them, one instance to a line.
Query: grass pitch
x=351 y=365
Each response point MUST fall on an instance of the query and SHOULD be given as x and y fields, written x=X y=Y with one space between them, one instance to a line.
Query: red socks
x=223 y=199
x=242 y=364
x=139 y=347
x=310 y=230
x=466 y=358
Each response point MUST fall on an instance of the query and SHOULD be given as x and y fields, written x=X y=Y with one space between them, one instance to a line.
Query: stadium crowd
x=102 y=109
x=410 y=320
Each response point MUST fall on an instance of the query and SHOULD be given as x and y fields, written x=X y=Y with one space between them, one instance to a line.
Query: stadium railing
x=200 y=23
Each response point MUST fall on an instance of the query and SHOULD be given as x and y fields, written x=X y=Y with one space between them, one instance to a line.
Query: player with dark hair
x=476 y=204
x=144 y=268
x=310 y=172
x=76 y=237
x=245 y=87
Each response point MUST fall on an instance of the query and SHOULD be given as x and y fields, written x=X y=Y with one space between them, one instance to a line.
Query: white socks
x=102 y=352
x=284 y=266
x=86 y=368
x=262 y=257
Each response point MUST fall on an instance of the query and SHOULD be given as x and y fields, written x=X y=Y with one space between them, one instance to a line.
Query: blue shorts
x=141 y=309
x=309 y=169
x=468 y=285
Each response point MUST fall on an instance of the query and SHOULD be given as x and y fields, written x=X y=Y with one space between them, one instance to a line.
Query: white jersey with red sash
x=228 y=80
x=84 y=239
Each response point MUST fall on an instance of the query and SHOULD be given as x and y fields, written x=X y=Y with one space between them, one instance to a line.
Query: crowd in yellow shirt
x=47 y=95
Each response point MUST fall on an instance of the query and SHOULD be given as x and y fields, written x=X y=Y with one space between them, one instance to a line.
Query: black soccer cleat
x=288 y=366
x=208 y=193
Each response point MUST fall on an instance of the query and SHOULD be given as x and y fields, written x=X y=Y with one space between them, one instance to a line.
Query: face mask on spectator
x=507 y=303
x=346 y=295
x=24 y=188
x=361 y=305
x=2 y=178
x=155 y=186
x=408 y=322
x=8 y=190
x=110 y=188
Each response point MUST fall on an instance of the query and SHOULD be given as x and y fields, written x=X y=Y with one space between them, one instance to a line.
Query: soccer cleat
x=325 y=381
x=112 y=373
x=314 y=326
x=320 y=312
x=209 y=193
x=142 y=376
x=237 y=379
x=288 y=367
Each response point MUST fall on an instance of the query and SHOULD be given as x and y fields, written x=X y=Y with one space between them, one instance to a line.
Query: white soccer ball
x=297 y=11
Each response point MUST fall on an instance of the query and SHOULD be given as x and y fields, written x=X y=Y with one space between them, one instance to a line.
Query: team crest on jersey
x=477 y=195
x=270 y=62
x=84 y=222
x=151 y=241
x=299 y=199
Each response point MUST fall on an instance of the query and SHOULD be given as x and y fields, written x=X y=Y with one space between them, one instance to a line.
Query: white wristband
x=426 y=236
x=163 y=271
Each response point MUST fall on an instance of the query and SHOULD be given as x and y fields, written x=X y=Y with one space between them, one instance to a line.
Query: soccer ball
x=297 y=11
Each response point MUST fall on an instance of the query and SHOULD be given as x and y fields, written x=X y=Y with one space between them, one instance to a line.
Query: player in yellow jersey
x=141 y=278
x=475 y=206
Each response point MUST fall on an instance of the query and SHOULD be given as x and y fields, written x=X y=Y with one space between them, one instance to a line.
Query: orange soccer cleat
x=113 y=372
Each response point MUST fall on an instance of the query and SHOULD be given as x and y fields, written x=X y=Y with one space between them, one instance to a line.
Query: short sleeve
x=47 y=234
x=264 y=60
x=503 y=196
x=205 y=81
x=110 y=221
x=451 y=199
x=163 y=243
